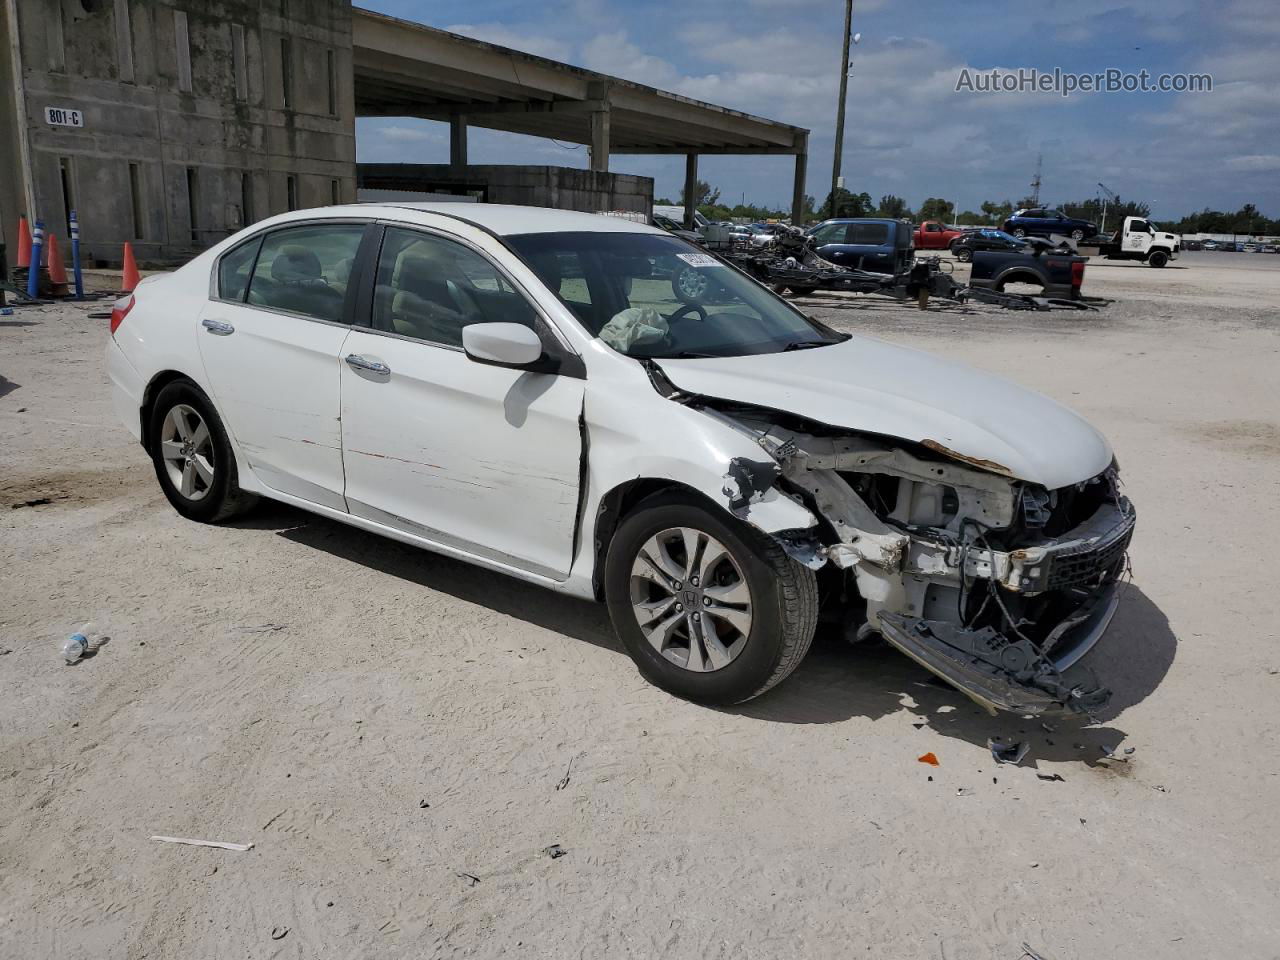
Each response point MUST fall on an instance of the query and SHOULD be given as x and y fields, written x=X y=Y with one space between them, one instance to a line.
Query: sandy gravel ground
x=382 y=723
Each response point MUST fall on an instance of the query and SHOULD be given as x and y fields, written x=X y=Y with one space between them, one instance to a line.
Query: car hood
x=871 y=386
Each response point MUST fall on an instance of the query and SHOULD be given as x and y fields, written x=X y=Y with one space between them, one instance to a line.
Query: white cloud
x=405 y=134
x=1255 y=161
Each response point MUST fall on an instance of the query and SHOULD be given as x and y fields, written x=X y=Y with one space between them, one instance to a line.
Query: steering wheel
x=681 y=311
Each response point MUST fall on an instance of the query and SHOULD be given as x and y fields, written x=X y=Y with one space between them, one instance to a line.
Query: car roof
x=504 y=219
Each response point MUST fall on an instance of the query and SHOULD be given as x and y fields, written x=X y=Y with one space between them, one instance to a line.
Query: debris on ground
x=6 y=651
x=262 y=628
x=423 y=805
x=930 y=759
x=279 y=933
x=37 y=502
x=555 y=851
x=1029 y=954
x=1110 y=753
x=1008 y=752
x=964 y=792
x=1051 y=777
x=564 y=781
x=238 y=847
x=471 y=878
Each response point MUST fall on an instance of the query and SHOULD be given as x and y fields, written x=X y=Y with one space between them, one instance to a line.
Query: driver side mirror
x=501 y=344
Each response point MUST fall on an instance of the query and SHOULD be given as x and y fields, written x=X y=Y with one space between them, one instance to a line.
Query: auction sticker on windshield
x=699 y=259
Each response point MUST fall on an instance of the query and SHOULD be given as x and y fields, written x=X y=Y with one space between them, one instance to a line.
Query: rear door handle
x=219 y=328
x=364 y=363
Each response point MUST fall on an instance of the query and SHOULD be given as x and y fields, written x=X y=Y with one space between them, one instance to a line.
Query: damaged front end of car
x=995 y=584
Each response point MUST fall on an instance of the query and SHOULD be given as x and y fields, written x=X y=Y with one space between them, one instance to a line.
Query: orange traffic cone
x=130 y=279
x=24 y=242
x=57 y=269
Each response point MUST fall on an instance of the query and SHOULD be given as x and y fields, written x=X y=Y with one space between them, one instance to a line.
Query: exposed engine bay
x=997 y=585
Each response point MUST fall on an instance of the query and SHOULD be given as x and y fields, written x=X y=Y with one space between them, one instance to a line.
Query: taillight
x=120 y=309
x=1077 y=273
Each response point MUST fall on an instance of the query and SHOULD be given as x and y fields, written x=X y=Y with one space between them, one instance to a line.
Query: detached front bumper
x=1074 y=559
x=1003 y=672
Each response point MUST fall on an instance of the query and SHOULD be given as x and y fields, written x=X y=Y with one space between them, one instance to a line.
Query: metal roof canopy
x=405 y=69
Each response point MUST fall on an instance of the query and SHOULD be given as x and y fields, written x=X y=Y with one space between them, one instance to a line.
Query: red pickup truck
x=932 y=235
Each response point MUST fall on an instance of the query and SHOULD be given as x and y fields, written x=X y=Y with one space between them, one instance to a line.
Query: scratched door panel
x=478 y=457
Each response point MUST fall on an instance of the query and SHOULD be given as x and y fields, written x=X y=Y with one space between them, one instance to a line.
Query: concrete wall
x=565 y=188
x=161 y=114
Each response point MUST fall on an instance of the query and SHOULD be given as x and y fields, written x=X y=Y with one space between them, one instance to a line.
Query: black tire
x=784 y=603
x=1019 y=232
x=963 y=254
x=1077 y=235
x=1158 y=258
x=223 y=497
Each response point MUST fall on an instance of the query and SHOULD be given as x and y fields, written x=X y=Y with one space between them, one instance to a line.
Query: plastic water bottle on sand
x=75 y=645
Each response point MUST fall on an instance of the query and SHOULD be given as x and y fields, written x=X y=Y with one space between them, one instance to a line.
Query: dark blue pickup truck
x=878 y=245
x=1060 y=274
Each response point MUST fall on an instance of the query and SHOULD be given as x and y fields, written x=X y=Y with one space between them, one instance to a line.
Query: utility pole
x=1109 y=196
x=844 y=89
x=1035 y=182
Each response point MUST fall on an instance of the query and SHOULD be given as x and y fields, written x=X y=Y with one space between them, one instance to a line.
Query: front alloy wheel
x=708 y=607
x=690 y=599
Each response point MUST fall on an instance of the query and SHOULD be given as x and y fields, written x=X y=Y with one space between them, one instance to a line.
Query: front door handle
x=364 y=363
x=219 y=328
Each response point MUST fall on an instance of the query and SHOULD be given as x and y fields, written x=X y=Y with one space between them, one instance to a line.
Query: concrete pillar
x=797 y=187
x=600 y=139
x=458 y=142
x=690 y=188
x=598 y=90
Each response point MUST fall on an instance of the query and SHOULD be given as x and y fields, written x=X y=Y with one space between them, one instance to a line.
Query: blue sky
x=908 y=131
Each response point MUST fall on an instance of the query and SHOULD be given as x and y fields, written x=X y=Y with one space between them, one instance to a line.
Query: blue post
x=33 y=271
x=75 y=255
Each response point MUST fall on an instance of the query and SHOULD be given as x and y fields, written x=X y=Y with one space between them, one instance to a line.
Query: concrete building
x=173 y=123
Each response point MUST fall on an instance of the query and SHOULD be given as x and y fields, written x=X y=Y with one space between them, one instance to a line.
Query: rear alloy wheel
x=186 y=447
x=192 y=456
x=963 y=254
x=1077 y=235
x=709 y=608
x=1019 y=232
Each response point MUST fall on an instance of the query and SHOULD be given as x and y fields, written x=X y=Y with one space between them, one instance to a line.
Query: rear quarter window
x=234 y=270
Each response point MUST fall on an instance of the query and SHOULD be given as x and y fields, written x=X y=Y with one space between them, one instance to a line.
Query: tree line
x=845 y=203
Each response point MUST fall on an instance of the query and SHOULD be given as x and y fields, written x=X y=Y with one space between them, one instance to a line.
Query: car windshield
x=647 y=295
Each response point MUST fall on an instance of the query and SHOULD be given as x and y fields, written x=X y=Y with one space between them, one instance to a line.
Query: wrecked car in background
x=523 y=389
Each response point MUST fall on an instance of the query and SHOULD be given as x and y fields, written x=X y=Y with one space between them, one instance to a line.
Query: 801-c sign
x=63 y=117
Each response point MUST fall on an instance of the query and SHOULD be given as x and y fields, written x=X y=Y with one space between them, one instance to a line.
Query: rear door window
x=869 y=234
x=306 y=270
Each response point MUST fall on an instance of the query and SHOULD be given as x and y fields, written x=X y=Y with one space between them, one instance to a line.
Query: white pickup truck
x=1138 y=240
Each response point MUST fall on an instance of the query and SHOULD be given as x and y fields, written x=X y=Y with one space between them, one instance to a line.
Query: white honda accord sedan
x=536 y=392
